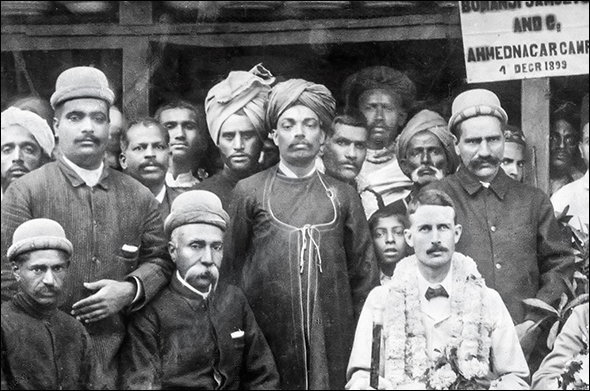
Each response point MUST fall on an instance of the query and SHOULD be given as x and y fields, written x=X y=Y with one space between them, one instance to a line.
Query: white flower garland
x=406 y=358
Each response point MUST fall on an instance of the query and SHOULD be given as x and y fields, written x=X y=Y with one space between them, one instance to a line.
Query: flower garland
x=406 y=357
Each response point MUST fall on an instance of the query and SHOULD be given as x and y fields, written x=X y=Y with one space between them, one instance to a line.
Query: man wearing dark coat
x=198 y=333
x=299 y=245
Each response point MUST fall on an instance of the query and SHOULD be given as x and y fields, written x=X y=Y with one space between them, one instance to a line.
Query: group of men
x=256 y=277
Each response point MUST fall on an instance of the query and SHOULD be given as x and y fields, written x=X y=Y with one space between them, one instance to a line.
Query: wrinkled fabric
x=314 y=96
x=435 y=124
x=247 y=91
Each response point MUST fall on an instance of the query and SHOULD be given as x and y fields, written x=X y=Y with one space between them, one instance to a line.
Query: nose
x=237 y=143
x=389 y=238
x=177 y=133
x=351 y=152
x=425 y=158
x=379 y=112
x=87 y=125
x=298 y=131
x=150 y=151
x=484 y=149
x=435 y=237
x=49 y=278
x=17 y=154
x=207 y=258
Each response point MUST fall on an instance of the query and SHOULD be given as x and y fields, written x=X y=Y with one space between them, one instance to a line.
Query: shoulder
x=254 y=182
x=70 y=323
x=35 y=178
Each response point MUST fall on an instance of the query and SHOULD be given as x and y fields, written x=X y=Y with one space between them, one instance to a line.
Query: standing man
x=346 y=147
x=575 y=194
x=435 y=302
x=27 y=144
x=235 y=110
x=425 y=151
x=186 y=125
x=43 y=348
x=299 y=245
x=509 y=228
x=113 y=221
x=145 y=156
x=384 y=96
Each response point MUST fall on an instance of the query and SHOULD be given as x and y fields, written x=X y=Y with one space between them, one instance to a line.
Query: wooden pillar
x=136 y=59
x=535 y=100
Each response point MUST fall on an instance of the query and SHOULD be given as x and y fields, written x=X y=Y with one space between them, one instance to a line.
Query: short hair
x=430 y=197
x=145 y=121
x=24 y=257
x=392 y=210
x=351 y=117
x=198 y=111
x=566 y=111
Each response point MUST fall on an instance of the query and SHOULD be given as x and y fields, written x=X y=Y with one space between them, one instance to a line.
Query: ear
x=16 y=271
x=55 y=125
x=323 y=137
x=172 y=250
x=409 y=238
x=457 y=149
x=403 y=164
x=458 y=232
x=123 y=161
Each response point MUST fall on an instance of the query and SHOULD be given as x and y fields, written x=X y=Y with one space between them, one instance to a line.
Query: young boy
x=387 y=226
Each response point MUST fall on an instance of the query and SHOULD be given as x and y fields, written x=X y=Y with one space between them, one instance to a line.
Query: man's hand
x=110 y=297
x=523 y=327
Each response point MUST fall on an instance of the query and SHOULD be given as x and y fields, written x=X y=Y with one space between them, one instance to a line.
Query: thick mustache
x=436 y=248
x=486 y=160
x=18 y=167
x=300 y=143
x=152 y=164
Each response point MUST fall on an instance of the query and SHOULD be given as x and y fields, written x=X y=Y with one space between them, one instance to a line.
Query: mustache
x=478 y=162
x=152 y=164
x=18 y=167
x=89 y=137
x=295 y=144
x=436 y=248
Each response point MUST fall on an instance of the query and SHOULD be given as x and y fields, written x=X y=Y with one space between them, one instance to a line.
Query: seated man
x=446 y=306
x=42 y=346
x=197 y=333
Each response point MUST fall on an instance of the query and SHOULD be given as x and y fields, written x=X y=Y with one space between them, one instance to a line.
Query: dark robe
x=302 y=251
x=44 y=349
x=182 y=341
x=222 y=184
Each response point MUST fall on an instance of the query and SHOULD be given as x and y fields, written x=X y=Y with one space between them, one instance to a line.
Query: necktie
x=439 y=290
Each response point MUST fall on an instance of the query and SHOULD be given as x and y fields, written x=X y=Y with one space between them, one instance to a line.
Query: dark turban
x=379 y=77
x=432 y=122
x=294 y=92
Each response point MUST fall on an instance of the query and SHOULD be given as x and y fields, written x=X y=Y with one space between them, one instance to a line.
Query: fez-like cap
x=475 y=103
x=38 y=234
x=584 y=112
x=196 y=207
x=81 y=82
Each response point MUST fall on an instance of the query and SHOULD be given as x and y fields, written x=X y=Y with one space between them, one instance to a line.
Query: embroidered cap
x=475 y=103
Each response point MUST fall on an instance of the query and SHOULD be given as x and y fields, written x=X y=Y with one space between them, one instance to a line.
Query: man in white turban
x=299 y=245
x=235 y=110
x=27 y=144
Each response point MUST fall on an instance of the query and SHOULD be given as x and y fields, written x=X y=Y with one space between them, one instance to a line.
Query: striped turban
x=241 y=90
x=427 y=120
x=294 y=92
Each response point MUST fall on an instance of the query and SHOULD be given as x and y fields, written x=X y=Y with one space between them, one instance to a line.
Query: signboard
x=508 y=40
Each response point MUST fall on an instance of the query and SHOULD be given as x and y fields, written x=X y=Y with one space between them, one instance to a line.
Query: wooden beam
x=135 y=12
x=136 y=77
x=535 y=100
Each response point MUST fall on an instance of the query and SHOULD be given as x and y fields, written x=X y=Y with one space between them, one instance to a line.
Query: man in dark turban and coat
x=299 y=245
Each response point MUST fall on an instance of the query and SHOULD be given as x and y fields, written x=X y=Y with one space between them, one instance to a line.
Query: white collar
x=160 y=196
x=90 y=177
x=290 y=174
x=447 y=283
x=192 y=288
x=186 y=179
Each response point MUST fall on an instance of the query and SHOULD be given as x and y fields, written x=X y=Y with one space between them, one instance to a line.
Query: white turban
x=247 y=91
x=33 y=123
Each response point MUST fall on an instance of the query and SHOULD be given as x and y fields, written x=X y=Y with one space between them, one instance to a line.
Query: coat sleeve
x=16 y=210
x=363 y=270
x=554 y=257
x=568 y=344
x=237 y=236
x=140 y=364
x=155 y=266
x=259 y=371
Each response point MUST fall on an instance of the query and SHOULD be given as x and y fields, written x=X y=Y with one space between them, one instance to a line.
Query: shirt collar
x=286 y=171
x=499 y=185
x=160 y=196
x=186 y=179
x=192 y=288
x=89 y=177
x=447 y=283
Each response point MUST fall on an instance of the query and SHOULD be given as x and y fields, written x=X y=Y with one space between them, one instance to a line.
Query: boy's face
x=389 y=241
